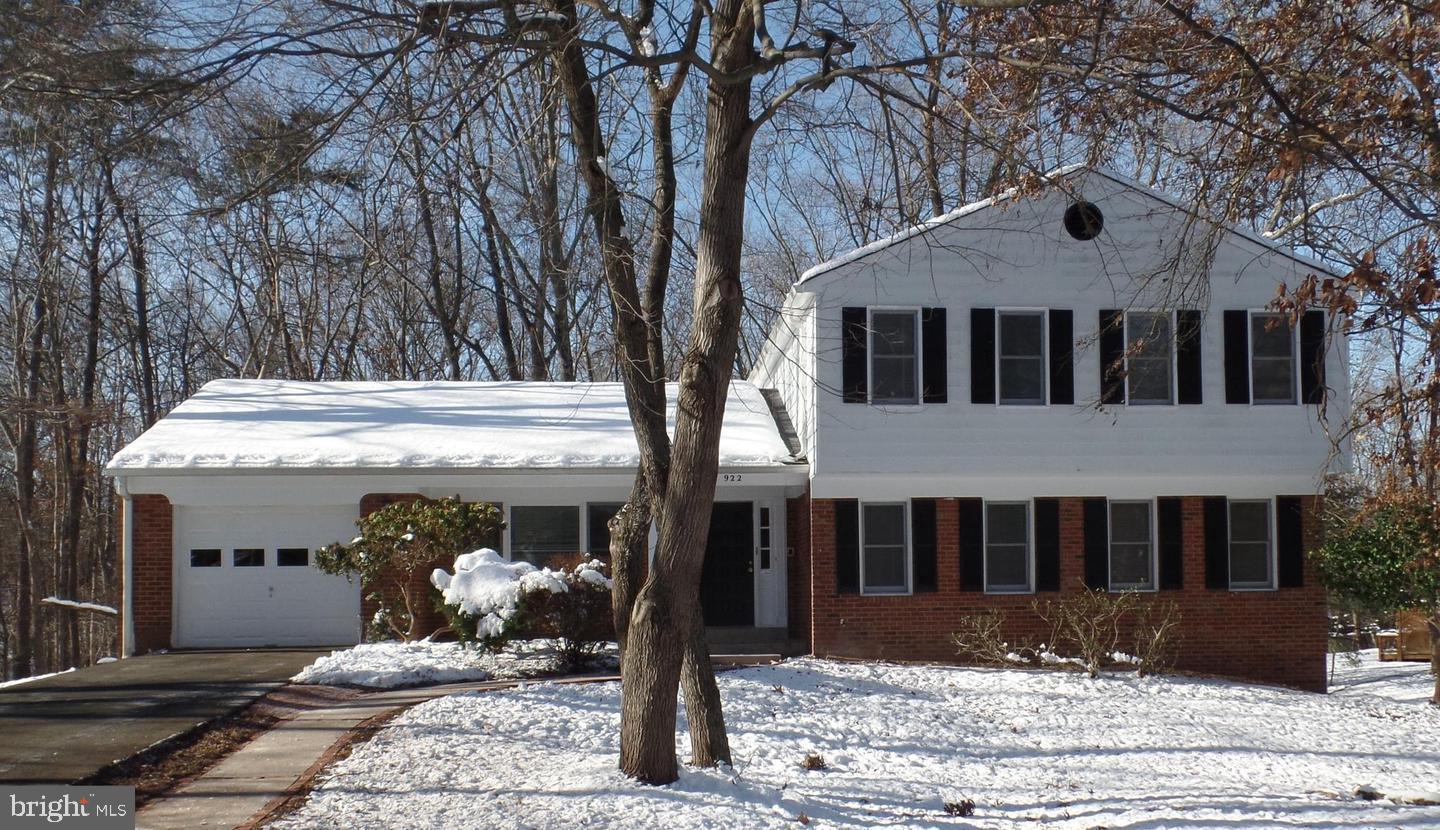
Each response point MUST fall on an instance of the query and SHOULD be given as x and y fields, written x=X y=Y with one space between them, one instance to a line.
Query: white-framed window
x=1252 y=551
x=1021 y=371
x=1132 y=546
x=538 y=532
x=1272 y=359
x=895 y=356
x=1150 y=358
x=884 y=548
x=1009 y=565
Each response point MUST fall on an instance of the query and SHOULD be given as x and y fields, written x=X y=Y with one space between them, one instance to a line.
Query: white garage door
x=246 y=577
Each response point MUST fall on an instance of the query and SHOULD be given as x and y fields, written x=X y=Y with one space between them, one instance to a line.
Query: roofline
x=913 y=231
x=123 y=472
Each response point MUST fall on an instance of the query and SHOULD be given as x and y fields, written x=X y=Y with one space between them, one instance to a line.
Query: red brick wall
x=418 y=584
x=152 y=554
x=1268 y=636
x=797 y=564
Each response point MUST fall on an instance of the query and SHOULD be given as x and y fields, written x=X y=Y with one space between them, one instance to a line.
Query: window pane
x=1270 y=336
x=1007 y=524
x=1130 y=521
x=1130 y=565
x=892 y=333
x=599 y=516
x=1022 y=380
x=249 y=557
x=1022 y=334
x=1148 y=349
x=1274 y=380
x=892 y=380
x=292 y=557
x=1249 y=521
x=537 y=533
x=885 y=569
x=205 y=558
x=1007 y=566
x=885 y=524
x=1249 y=563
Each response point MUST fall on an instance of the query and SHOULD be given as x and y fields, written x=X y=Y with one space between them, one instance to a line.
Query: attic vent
x=1083 y=220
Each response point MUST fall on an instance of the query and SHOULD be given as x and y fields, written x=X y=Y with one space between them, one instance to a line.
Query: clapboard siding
x=1021 y=257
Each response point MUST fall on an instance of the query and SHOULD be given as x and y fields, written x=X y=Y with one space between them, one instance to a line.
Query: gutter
x=127 y=568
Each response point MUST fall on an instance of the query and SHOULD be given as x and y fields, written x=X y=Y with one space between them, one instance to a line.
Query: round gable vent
x=1083 y=220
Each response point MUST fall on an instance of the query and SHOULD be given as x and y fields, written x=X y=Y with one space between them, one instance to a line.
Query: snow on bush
x=488 y=588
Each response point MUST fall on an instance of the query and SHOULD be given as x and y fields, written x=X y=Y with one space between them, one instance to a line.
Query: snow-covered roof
x=1054 y=175
x=293 y=425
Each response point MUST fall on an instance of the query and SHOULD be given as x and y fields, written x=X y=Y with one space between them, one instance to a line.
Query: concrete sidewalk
x=278 y=763
x=63 y=728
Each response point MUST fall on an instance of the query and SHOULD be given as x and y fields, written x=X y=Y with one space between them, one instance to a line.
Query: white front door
x=246 y=577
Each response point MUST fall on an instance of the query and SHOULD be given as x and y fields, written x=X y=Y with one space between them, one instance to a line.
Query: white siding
x=1020 y=256
x=787 y=364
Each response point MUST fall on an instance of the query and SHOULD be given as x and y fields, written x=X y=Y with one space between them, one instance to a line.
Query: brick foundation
x=152 y=587
x=1268 y=636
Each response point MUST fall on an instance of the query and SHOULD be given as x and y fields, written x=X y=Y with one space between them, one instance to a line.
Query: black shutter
x=982 y=355
x=1312 y=357
x=854 y=355
x=923 y=544
x=1217 y=543
x=1062 y=356
x=1112 y=356
x=1047 y=544
x=1189 y=382
x=1237 y=356
x=935 y=384
x=847 y=546
x=1290 y=538
x=1170 y=521
x=1097 y=544
x=972 y=544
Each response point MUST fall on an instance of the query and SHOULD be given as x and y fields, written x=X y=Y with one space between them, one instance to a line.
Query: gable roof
x=292 y=425
x=1054 y=175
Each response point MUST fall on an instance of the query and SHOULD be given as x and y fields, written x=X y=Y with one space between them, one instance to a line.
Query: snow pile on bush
x=392 y=664
x=488 y=588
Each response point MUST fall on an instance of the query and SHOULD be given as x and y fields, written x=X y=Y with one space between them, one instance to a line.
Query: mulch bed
x=159 y=769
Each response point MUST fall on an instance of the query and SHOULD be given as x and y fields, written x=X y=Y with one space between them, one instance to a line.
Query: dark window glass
x=893 y=362
x=205 y=558
x=597 y=517
x=884 y=549
x=538 y=533
x=1131 y=562
x=1272 y=359
x=249 y=557
x=1148 y=357
x=292 y=557
x=1007 y=547
x=1250 y=544
x=1022 y=357
x=764 y=538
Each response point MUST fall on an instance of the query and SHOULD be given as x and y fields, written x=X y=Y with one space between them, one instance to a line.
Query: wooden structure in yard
x=1409 y=640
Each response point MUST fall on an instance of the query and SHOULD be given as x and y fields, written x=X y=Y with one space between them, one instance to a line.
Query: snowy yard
x=899 y=741
x=391 y=664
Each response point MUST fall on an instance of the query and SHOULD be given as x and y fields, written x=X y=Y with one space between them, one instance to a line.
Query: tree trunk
x=629 y=552
x=1434 y=625
x=709 y=745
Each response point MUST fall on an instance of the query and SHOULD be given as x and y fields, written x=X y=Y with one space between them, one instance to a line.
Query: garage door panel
x=270 y=604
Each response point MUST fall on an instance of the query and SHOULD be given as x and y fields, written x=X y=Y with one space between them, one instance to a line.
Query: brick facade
x=152 y=586
x=1268 y=636
x=419 y=583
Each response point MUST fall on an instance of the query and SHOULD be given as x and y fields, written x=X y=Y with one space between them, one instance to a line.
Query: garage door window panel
x=249 y=557
x=292 y=557
x=205 y=558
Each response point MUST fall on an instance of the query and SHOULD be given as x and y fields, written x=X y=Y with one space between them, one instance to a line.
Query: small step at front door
x=727 y=582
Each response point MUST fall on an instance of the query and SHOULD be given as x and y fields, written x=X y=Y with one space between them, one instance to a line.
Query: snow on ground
x=1028 y=747
x=1368 y=676
x=392 y=664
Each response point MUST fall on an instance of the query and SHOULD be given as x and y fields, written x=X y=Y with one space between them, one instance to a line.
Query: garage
x=247 y=577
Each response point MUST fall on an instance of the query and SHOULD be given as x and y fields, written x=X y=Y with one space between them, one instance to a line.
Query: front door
x=727 y=582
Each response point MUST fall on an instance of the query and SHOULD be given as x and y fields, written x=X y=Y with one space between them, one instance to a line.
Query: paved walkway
x=255 y=778
x=68 y=727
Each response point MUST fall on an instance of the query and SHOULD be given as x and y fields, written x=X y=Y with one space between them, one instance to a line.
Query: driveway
x=69 y=726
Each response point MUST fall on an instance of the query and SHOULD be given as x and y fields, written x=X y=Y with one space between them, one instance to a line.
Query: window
x=1022 y=357
x=764 y=538
x=597 y=519
x=205 y=558
x=292 y=557
x=1007 y=547
x=538 y=533
x=1250 y=544
x=894 y=357
x=249 y=557
x=1132 y=555
x=1149 y=357
x=1272 y=359
x=884 y=565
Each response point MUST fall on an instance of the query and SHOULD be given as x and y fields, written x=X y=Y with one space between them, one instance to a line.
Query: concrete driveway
x=67 y=727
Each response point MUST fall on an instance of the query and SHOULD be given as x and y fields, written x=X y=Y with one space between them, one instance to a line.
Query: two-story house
x=1080 y=387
